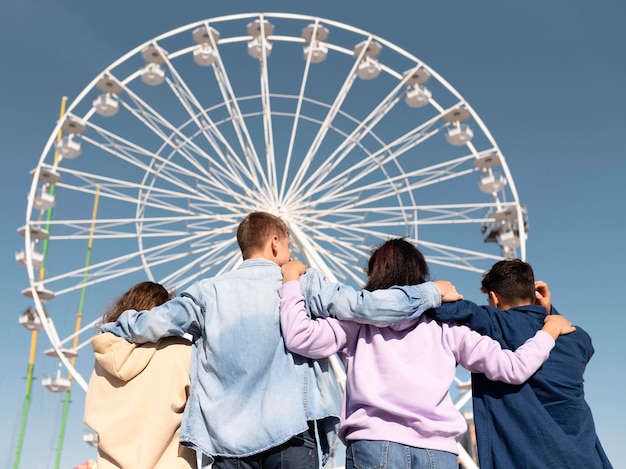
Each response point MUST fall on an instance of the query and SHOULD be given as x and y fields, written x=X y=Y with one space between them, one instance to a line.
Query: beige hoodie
x=135 y=403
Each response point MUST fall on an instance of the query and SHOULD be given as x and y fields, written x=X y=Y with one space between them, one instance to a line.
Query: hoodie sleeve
x=481 y=354
x=312 y=338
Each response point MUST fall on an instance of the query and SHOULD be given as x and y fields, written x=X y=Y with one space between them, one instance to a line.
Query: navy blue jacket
x=545 y=422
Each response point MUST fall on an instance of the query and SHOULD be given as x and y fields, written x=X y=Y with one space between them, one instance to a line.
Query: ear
x=274 y=244
x=494 y=299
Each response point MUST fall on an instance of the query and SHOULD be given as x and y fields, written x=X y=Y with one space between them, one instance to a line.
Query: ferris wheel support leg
x=465 y=459
x=29 y=387
x=311 y=255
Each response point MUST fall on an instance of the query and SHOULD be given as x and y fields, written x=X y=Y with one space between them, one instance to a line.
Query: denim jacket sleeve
x=380 y=308
x=178 y=317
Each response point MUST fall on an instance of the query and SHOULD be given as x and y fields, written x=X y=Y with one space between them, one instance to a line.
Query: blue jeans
x=366 y=454
x=298 y=453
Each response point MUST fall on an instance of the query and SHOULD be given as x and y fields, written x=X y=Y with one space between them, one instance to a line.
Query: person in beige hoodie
x=137 y=393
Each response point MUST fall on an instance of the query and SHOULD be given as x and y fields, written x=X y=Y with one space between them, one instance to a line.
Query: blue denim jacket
x=248 y=392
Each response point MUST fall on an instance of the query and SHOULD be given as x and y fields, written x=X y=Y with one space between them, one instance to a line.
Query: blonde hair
x=256 y=228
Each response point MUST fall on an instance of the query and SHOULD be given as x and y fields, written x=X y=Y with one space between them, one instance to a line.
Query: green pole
x=29 y=385
x=79 y=318
x=33 y=341
x=66 y=406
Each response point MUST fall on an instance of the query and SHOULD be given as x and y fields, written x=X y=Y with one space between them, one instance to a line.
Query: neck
x=515 y=305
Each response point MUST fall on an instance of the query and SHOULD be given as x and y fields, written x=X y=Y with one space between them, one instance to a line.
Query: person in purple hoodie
x=397 y=411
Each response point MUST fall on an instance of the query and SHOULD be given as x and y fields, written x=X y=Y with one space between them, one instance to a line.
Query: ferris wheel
x=346 y=136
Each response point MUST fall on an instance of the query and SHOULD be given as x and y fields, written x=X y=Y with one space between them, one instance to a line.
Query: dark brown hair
x=512 y=279
x=256 y=228
x=142 y=296
x=396 y=262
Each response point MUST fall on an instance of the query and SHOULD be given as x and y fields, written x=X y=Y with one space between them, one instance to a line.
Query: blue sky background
x=547 y=78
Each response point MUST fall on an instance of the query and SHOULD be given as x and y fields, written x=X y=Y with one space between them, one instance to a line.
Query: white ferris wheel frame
x=262 y=180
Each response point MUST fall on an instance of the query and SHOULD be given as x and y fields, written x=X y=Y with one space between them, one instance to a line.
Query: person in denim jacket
x=252 y=402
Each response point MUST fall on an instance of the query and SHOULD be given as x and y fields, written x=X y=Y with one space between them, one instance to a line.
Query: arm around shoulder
x=177 y=317
x=465 y=312
x=380 y=307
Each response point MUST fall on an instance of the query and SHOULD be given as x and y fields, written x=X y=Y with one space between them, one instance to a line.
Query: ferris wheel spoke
x=168 y=172
x=297 y=113
x=145 y=160
x=436 y=253
x=113 y=264
x=221 y=185
x=371 y=163
x=364 y=129
x=450 y=256
x=342 y=261
x=321 y=134
x=421 y=215
x=110 y=229
x=189 y=102
x=394 y=185
x=347 y=229
x=387 y=102
x=425 y=214
x=239 y=124
x=111 y=189
x=268 y=133
x=374 y=161
x=77 y=333
x=206 y=255
x=163 y=129
x=153 y=120
x=219 y=255
x=123 y=265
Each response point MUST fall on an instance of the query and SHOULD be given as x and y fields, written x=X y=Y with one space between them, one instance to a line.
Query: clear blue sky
x=547 y=78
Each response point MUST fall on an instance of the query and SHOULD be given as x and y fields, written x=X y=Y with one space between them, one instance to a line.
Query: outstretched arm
x=380 y=307
x=465 y=312
x=484 y=355
x=177 y=317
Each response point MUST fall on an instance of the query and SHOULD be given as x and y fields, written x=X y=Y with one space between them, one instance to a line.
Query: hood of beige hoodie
x=119 y=357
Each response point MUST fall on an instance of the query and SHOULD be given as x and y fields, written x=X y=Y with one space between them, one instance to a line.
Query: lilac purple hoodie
x=398 y=377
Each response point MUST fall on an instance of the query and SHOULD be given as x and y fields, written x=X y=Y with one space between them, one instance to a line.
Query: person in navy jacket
x=544 y=422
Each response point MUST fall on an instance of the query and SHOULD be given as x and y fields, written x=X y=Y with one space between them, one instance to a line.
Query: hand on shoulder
x=292 y=270
x=448 y=291
x=556 y=325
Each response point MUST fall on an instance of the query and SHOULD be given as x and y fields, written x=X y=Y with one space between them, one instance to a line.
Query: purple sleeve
x=482 y=354
x=317 y=338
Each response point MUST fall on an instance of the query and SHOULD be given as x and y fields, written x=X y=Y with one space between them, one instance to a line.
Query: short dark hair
x=142 y=296
x=256 y=228
x=512 y=279
x=396 y=262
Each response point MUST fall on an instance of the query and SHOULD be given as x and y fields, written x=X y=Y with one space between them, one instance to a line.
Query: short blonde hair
x=256 y=228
